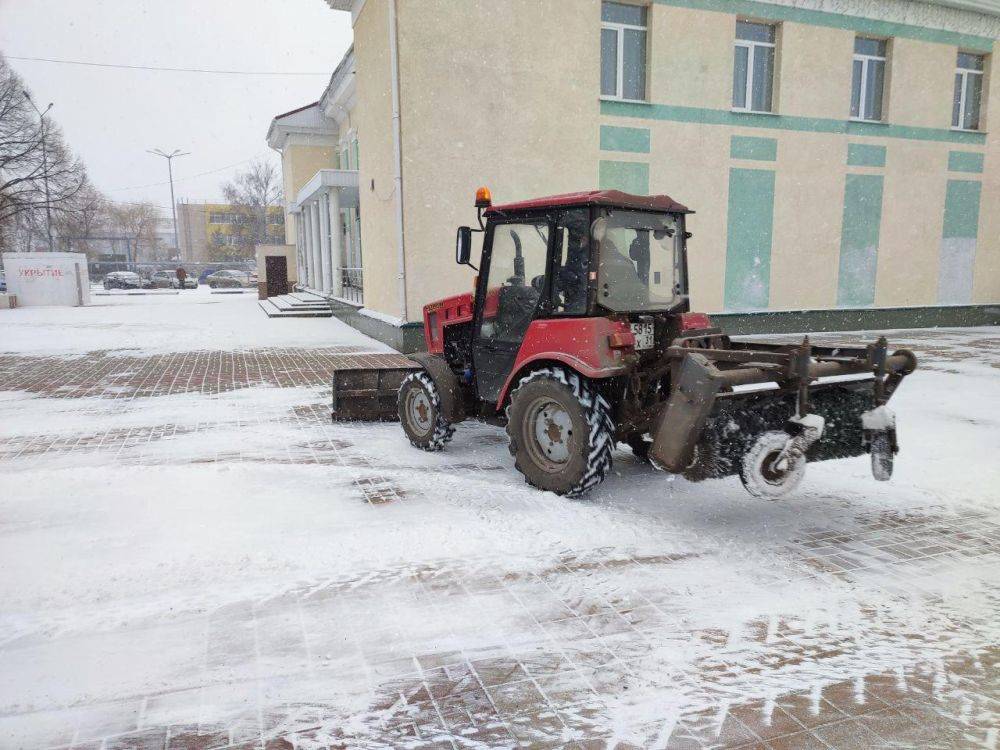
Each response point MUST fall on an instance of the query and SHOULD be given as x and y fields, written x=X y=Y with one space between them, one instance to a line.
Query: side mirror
x=463 y=246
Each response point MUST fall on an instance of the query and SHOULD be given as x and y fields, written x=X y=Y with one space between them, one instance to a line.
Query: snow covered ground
x=158 y=321
x=209 y=562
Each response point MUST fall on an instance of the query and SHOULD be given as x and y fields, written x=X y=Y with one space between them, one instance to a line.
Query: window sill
x=968 y=130
x=736 y=111
x=624 y=101
x=863 y=121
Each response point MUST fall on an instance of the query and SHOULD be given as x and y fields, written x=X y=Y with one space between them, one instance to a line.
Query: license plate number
x=643 y=333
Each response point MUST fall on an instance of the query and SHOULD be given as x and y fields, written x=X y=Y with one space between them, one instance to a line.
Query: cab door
x=512 y=286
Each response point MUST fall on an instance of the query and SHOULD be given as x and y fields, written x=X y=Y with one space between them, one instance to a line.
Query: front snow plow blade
x=367 y=394
x=714 y=415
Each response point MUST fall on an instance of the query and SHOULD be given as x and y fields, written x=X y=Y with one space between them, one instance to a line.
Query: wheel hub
x=419 y=411
x=550 y=428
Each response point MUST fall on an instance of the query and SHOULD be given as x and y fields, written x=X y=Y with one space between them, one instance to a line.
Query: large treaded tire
x=435 y=431
x=589 y=442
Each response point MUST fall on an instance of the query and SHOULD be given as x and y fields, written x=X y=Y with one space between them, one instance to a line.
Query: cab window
x=516 y=279
x=571 y=262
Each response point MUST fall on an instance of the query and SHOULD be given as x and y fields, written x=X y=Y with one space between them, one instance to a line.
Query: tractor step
x=369 y=394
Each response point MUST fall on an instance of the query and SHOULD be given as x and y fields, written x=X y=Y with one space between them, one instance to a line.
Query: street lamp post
x=45 y=167
x=170 y=171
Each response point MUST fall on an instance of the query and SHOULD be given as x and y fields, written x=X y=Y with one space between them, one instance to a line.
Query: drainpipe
x=398 y=155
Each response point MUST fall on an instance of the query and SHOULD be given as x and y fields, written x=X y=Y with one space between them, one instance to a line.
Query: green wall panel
x=748 y=247
x=634 y=140
x=865 y=155
x=957 y=259
x=749 y=147
x=627 y=176
x=705 y=116
x=965 y=161
x=859 y=240
x=961 y=208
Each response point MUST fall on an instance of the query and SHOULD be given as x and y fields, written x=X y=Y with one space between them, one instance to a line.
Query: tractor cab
x=615 y=260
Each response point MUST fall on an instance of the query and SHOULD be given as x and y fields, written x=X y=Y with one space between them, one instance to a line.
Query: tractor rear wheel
x=560 y=430
x=420 y=413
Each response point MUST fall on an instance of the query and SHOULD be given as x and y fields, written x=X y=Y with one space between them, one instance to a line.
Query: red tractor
x=579 y=336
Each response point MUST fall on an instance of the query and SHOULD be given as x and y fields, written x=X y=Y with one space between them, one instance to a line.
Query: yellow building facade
x=836 y=161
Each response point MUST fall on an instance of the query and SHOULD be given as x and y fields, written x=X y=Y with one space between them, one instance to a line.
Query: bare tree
x=37 y=170
x=255 y=196
x=136 y=222
x=81 y=221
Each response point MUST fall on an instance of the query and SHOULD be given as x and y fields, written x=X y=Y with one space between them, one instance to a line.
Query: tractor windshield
x=638 y=260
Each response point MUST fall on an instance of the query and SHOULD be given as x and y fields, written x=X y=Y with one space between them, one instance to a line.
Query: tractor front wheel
x=560 y=430
x=420 y=413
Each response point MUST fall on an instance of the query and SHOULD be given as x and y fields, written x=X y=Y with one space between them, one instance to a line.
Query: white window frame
x=962 y=103
x=750 y=44
x=866 y=61
x=619 y=29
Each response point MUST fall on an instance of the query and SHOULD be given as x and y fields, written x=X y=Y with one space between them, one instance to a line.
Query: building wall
x=301 y=158
x=506 y=102
x=191 y=226
x=373 y=119
x=196 y=228
x=798 y=209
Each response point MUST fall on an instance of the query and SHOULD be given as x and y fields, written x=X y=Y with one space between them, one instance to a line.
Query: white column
x=336 y=240
x=324 y=243
x=317 y=249
x=300 y=256
x=306 y=248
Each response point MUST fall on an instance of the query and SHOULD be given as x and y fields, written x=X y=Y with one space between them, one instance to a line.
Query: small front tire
x=420 y=413
x=881 y=453
x=765 y=472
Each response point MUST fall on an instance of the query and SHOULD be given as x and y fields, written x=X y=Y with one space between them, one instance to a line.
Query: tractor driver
x=616 y=269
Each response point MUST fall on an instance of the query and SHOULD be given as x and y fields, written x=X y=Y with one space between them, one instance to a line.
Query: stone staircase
x=296 y=305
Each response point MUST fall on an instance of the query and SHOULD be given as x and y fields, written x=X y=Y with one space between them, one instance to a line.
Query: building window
x=753 y=67
x=968 y=92
x=868 y=79
x=623 y=51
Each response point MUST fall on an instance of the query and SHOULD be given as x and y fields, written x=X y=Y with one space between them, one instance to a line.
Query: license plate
x=643 y=333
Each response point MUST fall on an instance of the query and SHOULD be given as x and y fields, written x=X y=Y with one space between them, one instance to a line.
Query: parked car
x=3 y=281
x=190 y=282
x=230 y=279
x=203 y=276
x=123 y=280
x=162 y=279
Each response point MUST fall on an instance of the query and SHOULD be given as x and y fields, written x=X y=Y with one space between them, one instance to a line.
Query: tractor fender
x=446 y=381
x=582 y=344
x=523 y=367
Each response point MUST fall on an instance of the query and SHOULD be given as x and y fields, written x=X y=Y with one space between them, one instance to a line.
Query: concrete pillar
x=316 y=246
x=336 y=240
x=324 y=243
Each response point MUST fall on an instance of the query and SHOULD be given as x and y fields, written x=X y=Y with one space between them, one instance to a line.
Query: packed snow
x=261 y=569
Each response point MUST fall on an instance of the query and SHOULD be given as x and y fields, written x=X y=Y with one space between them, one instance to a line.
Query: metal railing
x=352 y=285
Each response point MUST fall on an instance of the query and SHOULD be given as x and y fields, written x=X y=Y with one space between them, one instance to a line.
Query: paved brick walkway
x=593 y=636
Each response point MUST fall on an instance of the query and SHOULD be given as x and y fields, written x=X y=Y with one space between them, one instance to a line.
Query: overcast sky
x=111 y=116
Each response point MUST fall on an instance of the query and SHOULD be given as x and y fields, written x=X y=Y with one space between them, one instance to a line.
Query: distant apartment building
x=840 y=156
x=210 y=232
